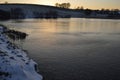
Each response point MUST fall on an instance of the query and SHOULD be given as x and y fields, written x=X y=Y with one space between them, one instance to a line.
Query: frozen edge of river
x=15 y=64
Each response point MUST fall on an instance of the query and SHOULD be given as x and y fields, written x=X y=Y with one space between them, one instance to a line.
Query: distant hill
x=34 y=10
x=21 y=11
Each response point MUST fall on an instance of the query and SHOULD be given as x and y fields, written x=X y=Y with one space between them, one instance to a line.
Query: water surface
x=73 y=49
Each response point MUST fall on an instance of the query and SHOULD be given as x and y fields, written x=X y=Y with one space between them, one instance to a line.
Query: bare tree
x=57 y=4
x=63 y=5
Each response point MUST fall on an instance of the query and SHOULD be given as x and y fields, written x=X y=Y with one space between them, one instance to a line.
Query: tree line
x=102 y=13
x=63 y=5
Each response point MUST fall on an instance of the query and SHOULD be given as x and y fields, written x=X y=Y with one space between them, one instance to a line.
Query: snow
x=30 y=9
x=14 y=62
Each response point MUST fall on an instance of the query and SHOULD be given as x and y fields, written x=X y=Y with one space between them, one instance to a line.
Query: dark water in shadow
x=73 y=49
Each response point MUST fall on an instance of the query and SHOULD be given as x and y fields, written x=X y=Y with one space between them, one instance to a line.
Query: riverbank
x=27 y=11
x=15 y=64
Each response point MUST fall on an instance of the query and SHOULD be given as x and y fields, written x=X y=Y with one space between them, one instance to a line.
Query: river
x=72 y=49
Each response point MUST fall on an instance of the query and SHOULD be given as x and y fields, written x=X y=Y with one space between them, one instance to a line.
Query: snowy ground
x=14 y=63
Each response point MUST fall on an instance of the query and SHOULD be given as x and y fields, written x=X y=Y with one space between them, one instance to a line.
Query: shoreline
x=34 y=11
x=16 y=65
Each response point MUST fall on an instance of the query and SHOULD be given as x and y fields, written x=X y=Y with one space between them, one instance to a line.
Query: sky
x=91 y=4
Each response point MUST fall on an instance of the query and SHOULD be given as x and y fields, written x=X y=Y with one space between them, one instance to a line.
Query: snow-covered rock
x=14 y=62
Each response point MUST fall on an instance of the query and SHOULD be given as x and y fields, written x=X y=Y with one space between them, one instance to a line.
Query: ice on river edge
x=14 y=62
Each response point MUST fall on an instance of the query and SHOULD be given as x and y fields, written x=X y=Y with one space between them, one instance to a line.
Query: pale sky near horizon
x=92 y=4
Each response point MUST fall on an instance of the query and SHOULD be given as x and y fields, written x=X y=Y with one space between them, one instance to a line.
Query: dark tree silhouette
x=57 y=4
x=63 y=5
x=87 y=12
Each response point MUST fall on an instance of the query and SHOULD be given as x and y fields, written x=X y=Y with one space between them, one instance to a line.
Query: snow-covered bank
x=38 y=11
x=14 y=62
x=25 y=11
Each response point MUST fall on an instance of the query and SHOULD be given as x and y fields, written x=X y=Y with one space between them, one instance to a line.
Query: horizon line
x=22 y=3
